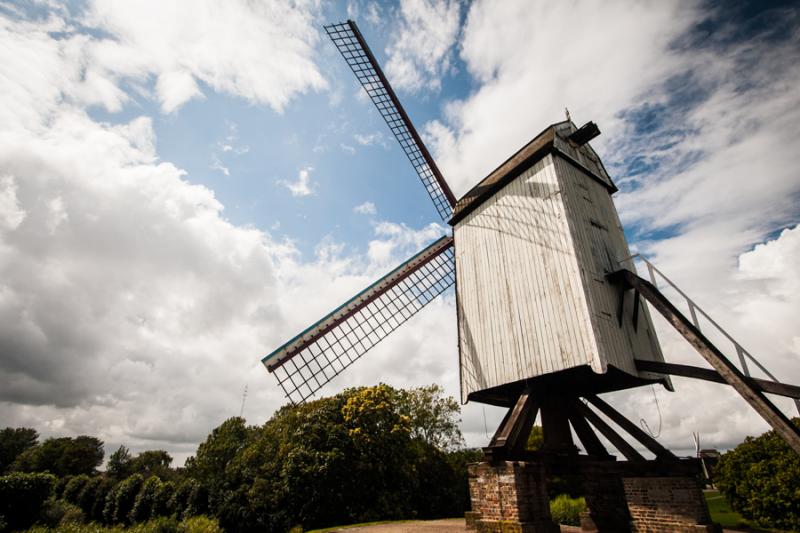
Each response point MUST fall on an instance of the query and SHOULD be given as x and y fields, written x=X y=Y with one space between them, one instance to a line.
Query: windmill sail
x=354 y=49
x=306 y=363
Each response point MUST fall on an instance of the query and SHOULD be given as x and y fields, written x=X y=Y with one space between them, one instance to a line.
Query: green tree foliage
x=124 y=498
x=760 y=478
x=535 y=439
x=22 y=496
x=119 y=464
x=88 y=495
x=14 y=441
x=566 y=510
x=62 y=456
x=354 y=457
x=102 y=491
x=161 y=504
x=74 y=487
x=432 y=416
x=146 y=500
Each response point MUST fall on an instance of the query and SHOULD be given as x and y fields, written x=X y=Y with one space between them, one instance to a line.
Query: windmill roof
x=554 y=139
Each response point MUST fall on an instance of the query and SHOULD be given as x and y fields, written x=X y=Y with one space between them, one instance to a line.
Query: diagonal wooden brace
x=726 y=369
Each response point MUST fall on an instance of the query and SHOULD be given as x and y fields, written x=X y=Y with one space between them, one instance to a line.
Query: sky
x=186 y=185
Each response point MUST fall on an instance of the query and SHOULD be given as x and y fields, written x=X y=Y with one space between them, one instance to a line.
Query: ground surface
x=453 y=525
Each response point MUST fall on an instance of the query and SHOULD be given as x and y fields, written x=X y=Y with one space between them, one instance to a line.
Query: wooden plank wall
x=600 y=245
x=522 y=305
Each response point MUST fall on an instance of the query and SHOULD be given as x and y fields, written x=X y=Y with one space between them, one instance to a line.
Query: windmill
x=549 y=311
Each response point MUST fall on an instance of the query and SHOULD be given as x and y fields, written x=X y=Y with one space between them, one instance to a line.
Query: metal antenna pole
x=244 y=397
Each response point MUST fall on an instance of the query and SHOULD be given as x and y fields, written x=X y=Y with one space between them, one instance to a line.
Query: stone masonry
x=667 y=504
x=510 y=497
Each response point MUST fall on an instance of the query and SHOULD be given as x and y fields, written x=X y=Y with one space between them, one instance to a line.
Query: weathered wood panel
x=532 y=294
x=522 y=305
x=600 y=246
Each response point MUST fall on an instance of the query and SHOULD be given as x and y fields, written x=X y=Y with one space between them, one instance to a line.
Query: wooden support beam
x=590 y=442
x=555 y=426
x=635 y=431
x=732 y=375
x=608 y=432
x=708 y=374
x=512 y=435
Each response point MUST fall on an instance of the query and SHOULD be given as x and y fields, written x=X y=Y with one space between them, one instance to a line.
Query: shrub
x=125 y=496
x=566 y=510
x=761 y=480
x=199 y=524
x=145 y=501
x=107 y=504
x=59 y=512
x=161 y=505
x=88 y=494
x=158 y=525
x=22 y=496
x=74 y=487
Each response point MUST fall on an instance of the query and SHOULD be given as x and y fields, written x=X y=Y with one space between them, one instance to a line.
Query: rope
x=643 y=422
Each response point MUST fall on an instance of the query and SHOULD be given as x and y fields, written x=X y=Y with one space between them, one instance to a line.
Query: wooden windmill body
x=534 y=243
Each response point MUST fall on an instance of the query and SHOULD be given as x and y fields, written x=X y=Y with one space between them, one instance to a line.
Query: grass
x=722 y=514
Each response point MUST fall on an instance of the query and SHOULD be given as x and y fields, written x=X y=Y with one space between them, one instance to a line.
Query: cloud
x=367 y=208
x=420 y=50
x=368 y=139
x=530 y=60
x=302 y=186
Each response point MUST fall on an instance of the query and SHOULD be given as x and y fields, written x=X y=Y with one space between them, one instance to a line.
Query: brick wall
x=510 y=496
x=666 y=504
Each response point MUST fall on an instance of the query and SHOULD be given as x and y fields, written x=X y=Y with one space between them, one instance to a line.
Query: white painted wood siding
x=600 y=245
x=522 y=306
x=531 y=291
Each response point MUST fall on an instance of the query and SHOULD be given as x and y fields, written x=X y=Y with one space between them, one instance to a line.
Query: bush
x=88 y=495
x=565 y=510
x=199 y=524
x=146 y=500
x=74 y=487
x=59 y=512
x=760 y=478
x=22 y=496
x=161 y=505
x=158 y=525
x=125 y=497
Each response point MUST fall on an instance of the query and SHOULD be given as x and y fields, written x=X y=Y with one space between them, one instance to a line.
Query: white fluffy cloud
x=302 y=186
x=367 y=208
x=420 y=49
x=261 y=51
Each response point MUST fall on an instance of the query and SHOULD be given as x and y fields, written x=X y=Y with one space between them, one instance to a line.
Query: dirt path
x=453 y=525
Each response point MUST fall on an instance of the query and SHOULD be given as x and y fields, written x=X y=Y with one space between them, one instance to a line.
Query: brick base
x=667 y=504
x=510 y=497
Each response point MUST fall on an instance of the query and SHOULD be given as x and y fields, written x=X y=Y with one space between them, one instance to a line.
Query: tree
x=432 y=417
x=153 y=463
x=760 y=478
x=14 y=441
x=62 y=456
x=119 y=464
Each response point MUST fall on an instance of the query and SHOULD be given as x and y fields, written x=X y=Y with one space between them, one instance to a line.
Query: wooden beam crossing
x=726 y=369
x=708 y=374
